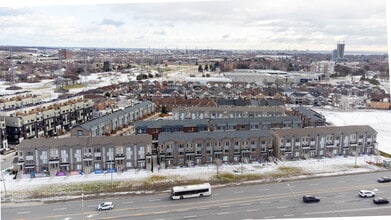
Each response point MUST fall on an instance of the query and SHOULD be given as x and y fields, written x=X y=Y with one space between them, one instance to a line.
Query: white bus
x=198 y=190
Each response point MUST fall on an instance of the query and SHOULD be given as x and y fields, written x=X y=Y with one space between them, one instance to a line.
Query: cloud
x=160 y=32
x=244 y=24
x=108 y=21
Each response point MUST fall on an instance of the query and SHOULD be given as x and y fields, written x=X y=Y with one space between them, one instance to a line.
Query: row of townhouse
x=312 y=142
x=46 y=119
x=116 y=121
x=87 y=154
x=227 y=112
x=187 y=149
x=154 y=128
x=20 y=100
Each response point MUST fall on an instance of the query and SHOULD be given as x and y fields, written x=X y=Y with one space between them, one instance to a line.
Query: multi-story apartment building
x=110 y=123
x=186 y=149
x=85 y=154
x=314 y=142
x=47 y=119
x=227 y=112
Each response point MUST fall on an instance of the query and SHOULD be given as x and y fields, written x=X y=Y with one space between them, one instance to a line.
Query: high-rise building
x=338 y=54
x=340 y=49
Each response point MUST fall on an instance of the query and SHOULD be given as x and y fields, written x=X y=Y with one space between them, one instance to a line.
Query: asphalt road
x=339 y=198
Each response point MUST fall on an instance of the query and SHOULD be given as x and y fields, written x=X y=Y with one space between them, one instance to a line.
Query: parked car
x=310 y=198
x=105 y=206
x=366 y=193
x=384 y=179
x=380 y=200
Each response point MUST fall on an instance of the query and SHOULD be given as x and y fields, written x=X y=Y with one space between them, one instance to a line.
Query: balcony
x=120 y=157
x=88 y=158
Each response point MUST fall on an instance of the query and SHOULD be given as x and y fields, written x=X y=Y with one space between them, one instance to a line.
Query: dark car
x=384 y=179
x=310 y=198
x=380 y=200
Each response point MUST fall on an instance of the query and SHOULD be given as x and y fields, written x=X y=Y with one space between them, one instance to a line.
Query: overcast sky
x=220 y=24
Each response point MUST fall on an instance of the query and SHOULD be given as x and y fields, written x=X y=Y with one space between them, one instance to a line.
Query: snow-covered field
x=380 y=120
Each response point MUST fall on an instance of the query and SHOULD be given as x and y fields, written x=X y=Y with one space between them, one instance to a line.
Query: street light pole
x=82 y=205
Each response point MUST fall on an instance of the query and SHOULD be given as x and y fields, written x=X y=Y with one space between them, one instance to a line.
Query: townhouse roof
x=218 y=121
x=324 y=130
x=309 y=113
x=161 y=123
x=216 y=135
x=84 y=141
x=107 y=119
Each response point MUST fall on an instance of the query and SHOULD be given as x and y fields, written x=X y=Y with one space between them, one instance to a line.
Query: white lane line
x=59 y=209
x=252 y=210
x=288 y=215
x=264 y=202
x=128 y=202
x=203 y=208
x=263 y=189
x=222 y=213
x=154 y=200
x=190 y=216
x=282 y=207
x=345 y=210
x=26 y=212
x=270 y=216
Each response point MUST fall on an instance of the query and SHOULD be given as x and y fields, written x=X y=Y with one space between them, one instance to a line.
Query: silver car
x=105 y=206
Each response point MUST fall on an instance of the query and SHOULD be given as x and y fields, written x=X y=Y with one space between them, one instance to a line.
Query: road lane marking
x=154 y=200
x=288 y=215
x=263 y=189
x=252 y=210
x=26 y=212
x=203 y=208
x=128 y=202
x=282 y=207
x=222 y=213
x=264 y=202
x=59 y=209
x=345 y=210
x=270 y=216
x=190 y=216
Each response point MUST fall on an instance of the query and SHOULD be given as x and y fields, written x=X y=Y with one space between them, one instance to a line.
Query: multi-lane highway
x=339 y=197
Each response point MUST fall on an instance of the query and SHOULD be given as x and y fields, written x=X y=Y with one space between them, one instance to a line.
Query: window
x=79 y=133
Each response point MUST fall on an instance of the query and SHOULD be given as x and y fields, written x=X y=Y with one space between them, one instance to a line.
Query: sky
x=220 y=24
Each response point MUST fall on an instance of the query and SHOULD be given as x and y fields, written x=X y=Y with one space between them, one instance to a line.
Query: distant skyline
x=235 y=24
